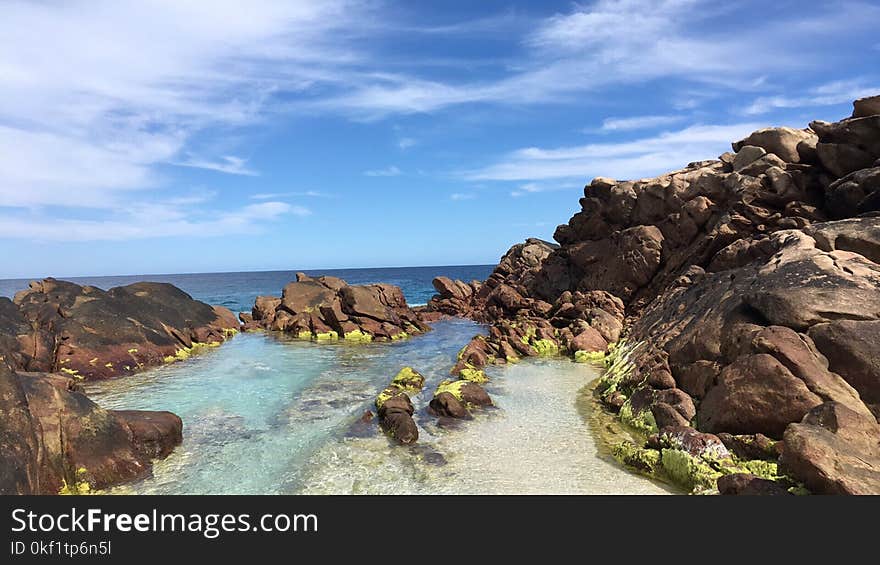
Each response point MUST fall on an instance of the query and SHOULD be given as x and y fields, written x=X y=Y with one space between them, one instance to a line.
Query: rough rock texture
x=747 y=289
x=90 y=333
x=53 y=438
x=55 y=334
x=834 y=450
x=327 y=308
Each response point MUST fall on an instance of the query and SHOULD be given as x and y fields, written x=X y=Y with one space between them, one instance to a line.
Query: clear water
x=237 y=291
x=266 y=415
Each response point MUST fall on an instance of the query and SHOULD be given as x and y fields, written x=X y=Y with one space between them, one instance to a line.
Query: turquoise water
x=263 y=414
x=237 y=291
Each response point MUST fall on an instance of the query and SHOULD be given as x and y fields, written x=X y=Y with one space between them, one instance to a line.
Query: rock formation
x=82 y=331
x=328 y=308
x=56 y=334
x=747 y=289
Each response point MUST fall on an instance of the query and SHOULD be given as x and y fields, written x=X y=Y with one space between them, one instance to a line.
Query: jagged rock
x=856 y=193
x=327 y=308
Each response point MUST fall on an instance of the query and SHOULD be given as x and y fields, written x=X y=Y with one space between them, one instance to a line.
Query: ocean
x=237 y=291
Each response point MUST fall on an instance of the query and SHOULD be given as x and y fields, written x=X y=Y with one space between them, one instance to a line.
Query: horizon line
x=64 y=277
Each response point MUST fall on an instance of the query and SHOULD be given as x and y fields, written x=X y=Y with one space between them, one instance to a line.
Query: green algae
x=326 y=336
x=583 y=356
x=78 y=486
x=357 y=336
x=640 y=458
x=408 y=379
x=390 y=392
x=474 y=375
x=452 y=387
x=641 y=421
x=693 y=473
x=546 y=347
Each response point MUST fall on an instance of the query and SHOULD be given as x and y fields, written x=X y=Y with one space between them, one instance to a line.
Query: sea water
x=266 y=414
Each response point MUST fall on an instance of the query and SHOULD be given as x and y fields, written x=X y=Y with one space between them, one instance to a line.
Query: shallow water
x=267 y=415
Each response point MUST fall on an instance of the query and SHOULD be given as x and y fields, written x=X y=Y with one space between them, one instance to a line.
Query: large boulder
x=55 y=439
x=834 y=450
x=781 y=141
x=90 y=333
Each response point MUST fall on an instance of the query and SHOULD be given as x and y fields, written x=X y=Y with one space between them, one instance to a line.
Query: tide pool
x=267 y=415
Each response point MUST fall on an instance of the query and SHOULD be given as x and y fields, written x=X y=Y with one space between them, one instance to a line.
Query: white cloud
x=406 y=142
x=275 y=195
x=536 y=187
x=148 y=221
x=638 y=122
x=228 y=164
x=462 y=196
x=624 y=160
x=391 y=171
x=93 y=95
x=838 y=92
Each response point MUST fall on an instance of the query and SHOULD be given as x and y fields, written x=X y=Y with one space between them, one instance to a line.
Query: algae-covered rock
x=409 y=380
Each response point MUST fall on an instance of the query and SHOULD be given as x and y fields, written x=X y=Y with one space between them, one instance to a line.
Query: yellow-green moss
x=640 y=458
x=304 y=334
x=229 y=332
x=473 y=375
x=409 y=379
x=327 y=336
x=133 y=350
x=80 y=484
x=546 y=347
x=357 y=336
x=642 y=421
x=693 y=473
x=389 y=392
x=68 y=371
x=401 y=335
x=452 y=387
x=582 y=356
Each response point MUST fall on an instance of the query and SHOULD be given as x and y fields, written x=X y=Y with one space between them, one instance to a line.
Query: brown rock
x=755 y=394
x=746 y=484
x=834 y=451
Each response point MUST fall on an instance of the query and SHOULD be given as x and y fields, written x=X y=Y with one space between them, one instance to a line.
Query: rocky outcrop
x=56 y=334
x=89 y=333
x=54 y=439
x=748 y=292
x=327 y=308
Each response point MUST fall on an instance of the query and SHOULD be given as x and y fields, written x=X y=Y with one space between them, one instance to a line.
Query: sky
x=170 y=136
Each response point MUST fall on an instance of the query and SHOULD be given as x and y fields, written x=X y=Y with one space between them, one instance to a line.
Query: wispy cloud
x=391 y=171
x=638 y=122
x=276 y=195
x=148 y=221
x=623 y=160
x=406 y=142
x=228 y=164
x=838 y=92
x=536 y=187
x=462 y=196
x=94 y=95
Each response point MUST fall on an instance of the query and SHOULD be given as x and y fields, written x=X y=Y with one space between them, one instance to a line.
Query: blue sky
x=160 y=137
